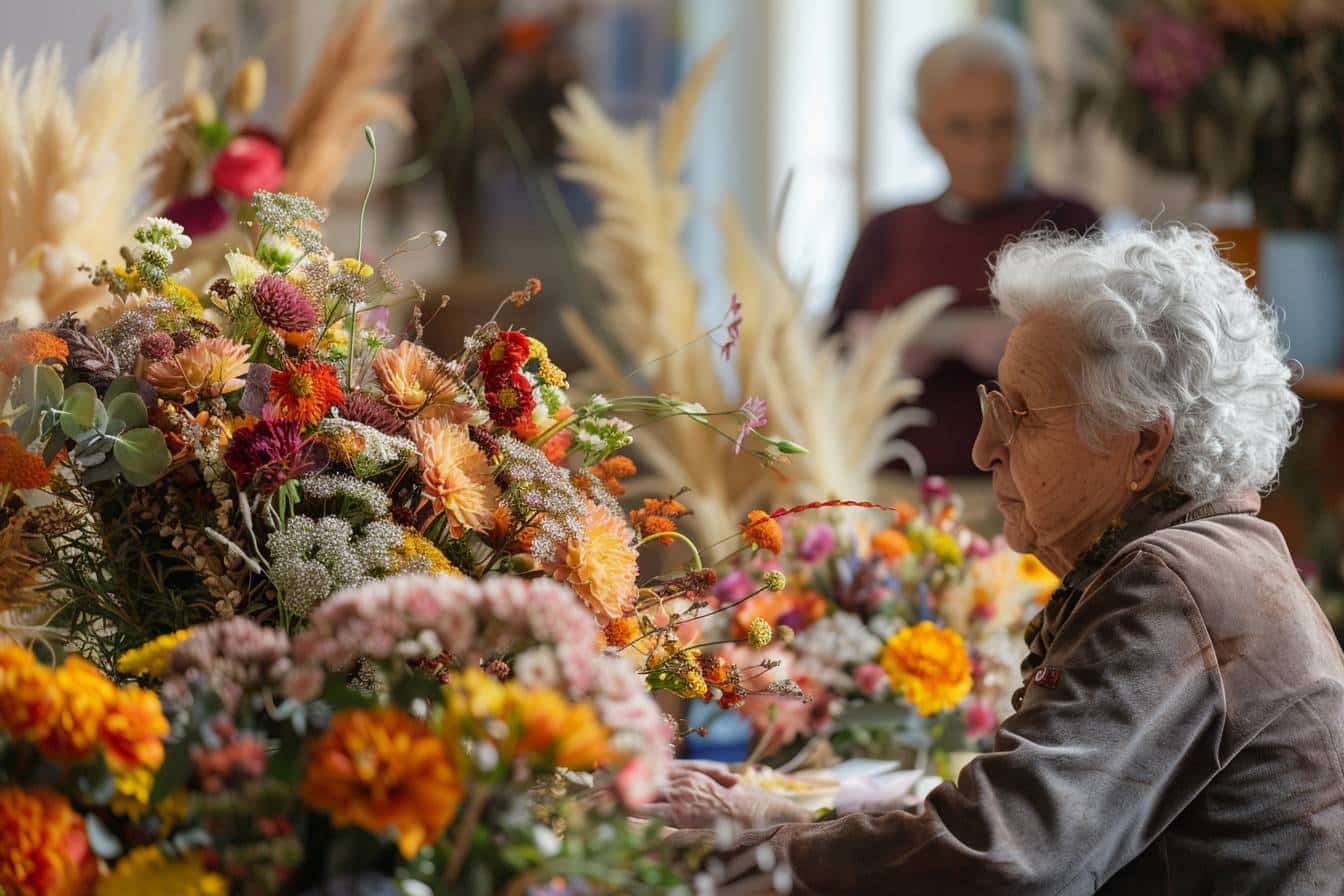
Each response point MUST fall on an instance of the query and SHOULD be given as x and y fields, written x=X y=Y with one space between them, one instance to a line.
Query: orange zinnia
x=379 y=769
x=306 y=391
x=762 y=532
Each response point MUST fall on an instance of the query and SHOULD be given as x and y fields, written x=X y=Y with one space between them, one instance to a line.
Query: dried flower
x=157 y=346
x=249 y=86
x=210 y=367
x=381 y=769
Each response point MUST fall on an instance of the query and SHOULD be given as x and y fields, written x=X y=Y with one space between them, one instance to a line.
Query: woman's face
x=972 y=121
x=1056 y=493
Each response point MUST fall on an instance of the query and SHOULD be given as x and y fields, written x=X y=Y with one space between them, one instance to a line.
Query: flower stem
x=467 y=831
x=359 y=254
x=695 y=552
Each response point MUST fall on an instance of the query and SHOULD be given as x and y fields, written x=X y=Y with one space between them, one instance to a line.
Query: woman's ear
x=1154 y=440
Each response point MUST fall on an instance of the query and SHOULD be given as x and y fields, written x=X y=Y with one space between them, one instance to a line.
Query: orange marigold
x=44 y=850
x=621 y=632
x=133 y=730
x=929 y=665
x=306 y=391
x=381 y=769
x=31 y=347
x=20 y=468
x=762 y=532
x=891 y=544
x=83 y=698
x=27 y=700
x=601 y=565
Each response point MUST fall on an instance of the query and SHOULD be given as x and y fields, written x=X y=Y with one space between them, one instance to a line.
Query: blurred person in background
x=975 y=93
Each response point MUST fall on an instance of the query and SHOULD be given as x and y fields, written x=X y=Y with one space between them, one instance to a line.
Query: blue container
x=1302 y=273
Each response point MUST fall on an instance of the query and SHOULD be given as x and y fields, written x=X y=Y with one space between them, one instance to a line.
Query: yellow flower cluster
x=759 y=633
x=71 y=711
x=418 y=554
x=151 y=659
x=929 y=666
x=147 y=870
x=538 y=726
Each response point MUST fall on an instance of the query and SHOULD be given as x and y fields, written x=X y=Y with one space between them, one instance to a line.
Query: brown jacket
x=1180 y=731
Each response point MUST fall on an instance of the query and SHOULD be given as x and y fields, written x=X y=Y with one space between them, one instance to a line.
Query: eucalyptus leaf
x=143 y=455
x=40 y=386
x=119 y=386
x=54 y=446
x=106 y=470
x=79 y=409
x=129 y=408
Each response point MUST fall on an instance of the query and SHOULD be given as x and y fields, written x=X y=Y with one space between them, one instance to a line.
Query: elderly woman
x=1180 y=726
x=974 y=95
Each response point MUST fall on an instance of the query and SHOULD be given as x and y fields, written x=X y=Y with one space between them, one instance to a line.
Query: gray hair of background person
x=1168 y=328
x=991 y=44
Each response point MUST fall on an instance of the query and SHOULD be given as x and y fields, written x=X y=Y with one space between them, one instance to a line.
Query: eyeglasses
x=1003 y=418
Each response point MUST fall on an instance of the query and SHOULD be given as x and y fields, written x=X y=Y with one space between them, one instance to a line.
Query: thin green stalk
x=695 y=552
x=359 y=253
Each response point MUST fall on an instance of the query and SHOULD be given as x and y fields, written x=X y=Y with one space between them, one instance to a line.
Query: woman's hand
x=697 y=794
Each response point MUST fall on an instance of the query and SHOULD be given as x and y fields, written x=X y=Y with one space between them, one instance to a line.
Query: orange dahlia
x=417 y=383
x=306 y=391
x=31 y=347
x=133 y=730
x=83 y=697
x=28 y=704
x=44 y=850
x=381 y=769
x=209 y=368
x=455 y=476
x=602 y=564
x=762 y=532
x=929 y=665
x=20 y=468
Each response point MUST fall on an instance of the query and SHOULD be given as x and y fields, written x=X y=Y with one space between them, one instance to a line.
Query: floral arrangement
x=915 y=624
x=1224 y=89
x=388 y=744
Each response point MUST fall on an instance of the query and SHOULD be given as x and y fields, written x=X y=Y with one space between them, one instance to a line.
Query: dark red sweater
x=909 y=249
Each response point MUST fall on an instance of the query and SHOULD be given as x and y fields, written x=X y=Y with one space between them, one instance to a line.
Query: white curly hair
x=1168 y=328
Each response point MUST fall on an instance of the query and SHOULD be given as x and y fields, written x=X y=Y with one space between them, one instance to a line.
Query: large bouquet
x=1242 y=93
x=905 y=634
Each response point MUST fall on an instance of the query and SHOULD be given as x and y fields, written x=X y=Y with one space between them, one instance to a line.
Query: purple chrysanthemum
x=282 y=304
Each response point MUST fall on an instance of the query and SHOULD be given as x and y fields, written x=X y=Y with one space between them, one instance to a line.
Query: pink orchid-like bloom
x=732 y=324
x=753 y=412
x=817 y=544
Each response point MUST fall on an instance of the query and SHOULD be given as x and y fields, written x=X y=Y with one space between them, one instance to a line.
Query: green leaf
x=54 y=446
x=339 y=695
x=129 y=408
x=143 y=455
x=174 y=772
x=40 y=386
x=79 y=409
x=119 y=386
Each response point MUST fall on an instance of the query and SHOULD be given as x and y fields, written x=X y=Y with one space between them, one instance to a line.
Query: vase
x=1302 y=273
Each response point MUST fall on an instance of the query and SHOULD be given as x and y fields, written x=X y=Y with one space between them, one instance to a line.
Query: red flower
x=505 y=356
x=266 y=456
x=305 y=391
x=198 y=215
x=510 y=401
x=248 y=164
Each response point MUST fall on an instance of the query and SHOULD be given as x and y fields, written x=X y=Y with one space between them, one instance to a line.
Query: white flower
x=536 y=668
x=439 y=237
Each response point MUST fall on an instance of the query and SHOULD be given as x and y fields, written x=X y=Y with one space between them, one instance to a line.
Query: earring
x=1134 y=485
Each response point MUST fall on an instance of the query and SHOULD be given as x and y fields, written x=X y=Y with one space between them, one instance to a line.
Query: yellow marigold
x=381 y=769
x=601 y=565
x=891 y=544
x=620 y=632
x=358 y=268
x=929 y=665
x=133 y=730
x=762 y=532
x=150 y=659
x=418 y=554
x=455 y=476
x=20 y=468
x=83 y=697
x=209 y=368
x=131 y=799
x=28 y=701
x=759 y=633
x=31 y=347
x=44 y=850
x=417 y=383
x=147 y=870
x=1032 y=571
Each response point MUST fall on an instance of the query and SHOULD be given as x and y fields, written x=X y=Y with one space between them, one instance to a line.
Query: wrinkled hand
x=697 y=794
